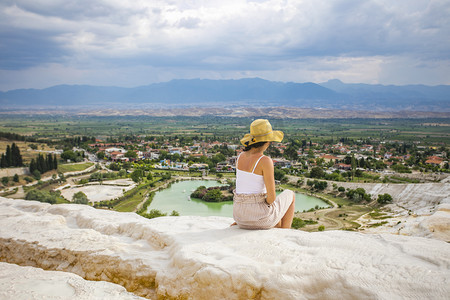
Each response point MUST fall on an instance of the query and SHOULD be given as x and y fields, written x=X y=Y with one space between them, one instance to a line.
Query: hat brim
x=274 y=136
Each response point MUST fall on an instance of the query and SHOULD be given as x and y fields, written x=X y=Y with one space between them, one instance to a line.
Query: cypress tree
x=49 y=162
x=13 y=155
x=19 y=159
x=3 y=161
x=32 y=165
x=41 y=164
x=16 y=157
x=55 y=162
x=8 y=156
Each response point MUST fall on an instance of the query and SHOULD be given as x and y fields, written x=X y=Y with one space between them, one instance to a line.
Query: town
x=123 y=171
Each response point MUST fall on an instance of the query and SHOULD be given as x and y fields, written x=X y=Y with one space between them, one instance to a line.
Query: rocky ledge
x=203 y=258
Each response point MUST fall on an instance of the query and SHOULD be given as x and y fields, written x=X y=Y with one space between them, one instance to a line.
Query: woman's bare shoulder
x=265 y=160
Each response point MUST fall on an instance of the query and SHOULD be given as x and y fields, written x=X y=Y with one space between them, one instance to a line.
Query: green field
x=74 y=167
x=427 y=131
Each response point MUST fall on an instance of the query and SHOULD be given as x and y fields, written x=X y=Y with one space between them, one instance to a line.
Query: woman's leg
x=286 y=220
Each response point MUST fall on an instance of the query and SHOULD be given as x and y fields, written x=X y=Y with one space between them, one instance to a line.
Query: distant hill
x=407 y=97
x=332 y=95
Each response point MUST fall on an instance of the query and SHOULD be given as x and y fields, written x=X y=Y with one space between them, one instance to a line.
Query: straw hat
x=261 y=131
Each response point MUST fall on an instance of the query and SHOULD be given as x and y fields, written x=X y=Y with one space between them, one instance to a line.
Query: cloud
x=229 y=37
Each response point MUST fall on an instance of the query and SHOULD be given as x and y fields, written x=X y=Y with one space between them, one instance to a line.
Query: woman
x=256 y=205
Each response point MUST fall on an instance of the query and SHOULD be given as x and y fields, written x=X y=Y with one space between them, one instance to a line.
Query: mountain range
x=332 y=94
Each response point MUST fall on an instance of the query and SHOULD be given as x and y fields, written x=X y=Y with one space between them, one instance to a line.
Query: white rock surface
x=421 y=209
x=26 y=283
x=203 y=258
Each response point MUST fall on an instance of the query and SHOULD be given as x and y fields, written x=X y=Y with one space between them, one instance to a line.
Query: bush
x=37 y=174
x=384 y=198
x=175 y=213
x=321 y=228
x=358 y=195
x=400 y=168
x=320 y=185
x=213 y=195
x=280 y=175
x=154 y=213
x=317 y=172
x=80 y=198
x=44 y=196
x=341 y=189
x=137 y=175
x=16 y=178
x=5 y=180
x=297 y=223
x=28 y=179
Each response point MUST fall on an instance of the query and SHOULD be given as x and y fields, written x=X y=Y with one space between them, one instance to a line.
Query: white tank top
x=249 y=183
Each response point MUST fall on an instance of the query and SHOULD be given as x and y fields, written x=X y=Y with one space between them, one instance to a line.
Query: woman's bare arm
x=269 y=179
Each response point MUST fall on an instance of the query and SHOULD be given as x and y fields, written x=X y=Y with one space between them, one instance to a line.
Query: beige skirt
x=251 y=211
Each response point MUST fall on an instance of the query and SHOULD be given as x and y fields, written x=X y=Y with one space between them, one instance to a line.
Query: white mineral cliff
x=27 y=283
x=203 y=258
x=418 y=209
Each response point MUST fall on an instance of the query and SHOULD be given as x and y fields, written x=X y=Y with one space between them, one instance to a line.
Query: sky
x=130 y=43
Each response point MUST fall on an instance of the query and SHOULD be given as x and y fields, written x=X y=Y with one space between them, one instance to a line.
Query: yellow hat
x=261 y=131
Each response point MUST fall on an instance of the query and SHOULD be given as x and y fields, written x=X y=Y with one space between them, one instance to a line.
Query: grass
x=378 y=224
x=130 y=204
x=134 y=197
x=378 y=215
x=74 y=167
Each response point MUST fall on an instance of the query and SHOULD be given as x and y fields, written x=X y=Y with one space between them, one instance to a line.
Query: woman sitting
x=256 y=206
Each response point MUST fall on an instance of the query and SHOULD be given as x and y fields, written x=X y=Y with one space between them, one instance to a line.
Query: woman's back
x=247 y=181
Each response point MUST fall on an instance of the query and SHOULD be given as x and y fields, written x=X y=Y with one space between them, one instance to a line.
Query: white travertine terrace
x=203 y=258
x=17 y=282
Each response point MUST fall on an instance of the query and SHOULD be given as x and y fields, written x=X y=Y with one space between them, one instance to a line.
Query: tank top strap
x=237 y=160
x=257 y=163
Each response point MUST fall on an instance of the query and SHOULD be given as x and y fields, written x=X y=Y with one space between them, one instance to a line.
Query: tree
x=49 y=162
x=137 y=175
x=33 y=166
x=44 y=196
x=320 y=185
x=154 y=213
x=3 y=163
x=8 y=155
x=384 y=198
x=131 y=154
x=317 y=172
x=279 y=175
x=41 y=165
x=55 y=162
x=353 y=162
x=213 y=195
x=36 y=174
x=297 y=223
x=16 y=158
x=80 y=198
x=291 y=152
x=16 y=178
